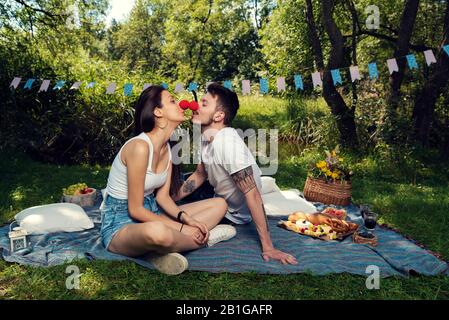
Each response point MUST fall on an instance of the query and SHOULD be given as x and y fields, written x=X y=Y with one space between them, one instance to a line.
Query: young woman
x=132 y=222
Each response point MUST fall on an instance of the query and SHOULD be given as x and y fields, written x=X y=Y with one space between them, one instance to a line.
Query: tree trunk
x=344 y=115
x=402 y=48
x=425 y=100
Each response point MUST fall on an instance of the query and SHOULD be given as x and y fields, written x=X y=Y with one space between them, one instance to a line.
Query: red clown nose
x=192 y=105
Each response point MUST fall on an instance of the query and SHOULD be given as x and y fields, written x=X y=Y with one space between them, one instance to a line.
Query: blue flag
x=59 y=85
x=228 y=84
x=446 y=49
x=411 y=60
x=128 y=89
x=29 y=83
x=336 y=77
x=263 y=86
x=193 y=86
x=373 y=73
x=90 y=84
x=298 y=82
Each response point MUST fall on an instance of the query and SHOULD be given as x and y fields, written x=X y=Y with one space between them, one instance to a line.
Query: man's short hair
x=227 y=101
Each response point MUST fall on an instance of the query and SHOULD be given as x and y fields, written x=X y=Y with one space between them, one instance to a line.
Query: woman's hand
x=195 y=233
x=189 y=221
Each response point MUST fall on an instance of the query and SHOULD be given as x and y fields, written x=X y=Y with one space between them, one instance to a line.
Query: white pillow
x=268 y=185
x=55 y=217
x=286 y=202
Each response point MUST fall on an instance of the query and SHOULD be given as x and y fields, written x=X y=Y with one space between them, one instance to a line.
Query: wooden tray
x=340 y=236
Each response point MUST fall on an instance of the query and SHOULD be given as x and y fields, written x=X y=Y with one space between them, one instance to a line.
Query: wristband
x=180 y=214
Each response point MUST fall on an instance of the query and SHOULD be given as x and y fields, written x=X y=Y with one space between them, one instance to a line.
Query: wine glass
x=370 y=220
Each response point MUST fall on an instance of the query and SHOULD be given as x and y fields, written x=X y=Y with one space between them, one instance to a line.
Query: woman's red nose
x=184 y=104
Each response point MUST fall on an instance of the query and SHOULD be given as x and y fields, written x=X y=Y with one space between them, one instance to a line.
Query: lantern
x=18 y=238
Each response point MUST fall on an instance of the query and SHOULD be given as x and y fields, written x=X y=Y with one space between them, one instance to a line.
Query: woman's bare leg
x=208 y=211
x=137 y=239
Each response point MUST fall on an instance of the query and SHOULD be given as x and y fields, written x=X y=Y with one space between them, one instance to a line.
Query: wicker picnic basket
x=338 y=193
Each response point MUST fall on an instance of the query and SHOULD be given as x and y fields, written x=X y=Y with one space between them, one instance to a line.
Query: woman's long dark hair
x=144 y=121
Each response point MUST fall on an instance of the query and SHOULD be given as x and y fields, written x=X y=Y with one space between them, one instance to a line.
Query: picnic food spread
x=320 y=225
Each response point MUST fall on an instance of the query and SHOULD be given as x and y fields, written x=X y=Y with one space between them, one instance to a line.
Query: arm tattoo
x=244 y=179
x=189 y=186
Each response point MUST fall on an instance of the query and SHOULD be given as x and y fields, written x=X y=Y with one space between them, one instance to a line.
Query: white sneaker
x=170 y=263
x=221 y=232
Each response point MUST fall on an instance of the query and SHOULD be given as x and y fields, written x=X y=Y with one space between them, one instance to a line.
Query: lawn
x=415 y=201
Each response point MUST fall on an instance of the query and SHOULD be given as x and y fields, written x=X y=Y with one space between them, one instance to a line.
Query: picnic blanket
x=395 y=255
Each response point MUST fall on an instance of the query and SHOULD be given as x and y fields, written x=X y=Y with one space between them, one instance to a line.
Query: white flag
x=111 y=88
x=44 y=86
x=246 y=87
x=178 y=88
x=146 y=85
x=76 y=85
x=15 y=82
x=430 y=57
x=280 y=83
x=316 y=79
x=392 y=65
x=355 y=73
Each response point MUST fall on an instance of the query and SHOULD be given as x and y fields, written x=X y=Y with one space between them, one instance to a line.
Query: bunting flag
x=246 y=87
x=179 y=87
x=446 y=49
x=15 y=82
x=430 y=57
x=59 y=85
x=392 y=65
x=280 y=84
x=44 y=86
x=193 y=86
x=128 y=89
x=164 y=85
x=228 y=84
x=29 y=83
x=263 y=86
x=336 y=76
x=411 y=61
x=76 y=85
x=316 y=79
x=372 y=69
x=146 y=86
x=90 y=85
x=111 y=88
x=298 y=82
x=355 y=73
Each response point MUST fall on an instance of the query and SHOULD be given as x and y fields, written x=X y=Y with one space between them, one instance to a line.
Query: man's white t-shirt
x=226 y=154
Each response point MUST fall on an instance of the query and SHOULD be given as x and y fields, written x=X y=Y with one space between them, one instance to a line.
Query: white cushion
x=286 y=202
x=268 y=185
x=55 y=217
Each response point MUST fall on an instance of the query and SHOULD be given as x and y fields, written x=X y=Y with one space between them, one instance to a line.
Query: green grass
x=415 y=201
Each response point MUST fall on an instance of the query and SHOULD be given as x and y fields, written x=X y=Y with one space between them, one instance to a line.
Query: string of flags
x=316 y=77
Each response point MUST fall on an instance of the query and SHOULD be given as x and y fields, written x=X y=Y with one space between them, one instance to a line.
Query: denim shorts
x=115 y=215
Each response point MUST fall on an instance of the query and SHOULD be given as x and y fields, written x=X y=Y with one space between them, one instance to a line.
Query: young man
x=230 y=167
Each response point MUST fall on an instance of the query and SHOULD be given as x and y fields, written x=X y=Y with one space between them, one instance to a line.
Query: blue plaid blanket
x=394 y=255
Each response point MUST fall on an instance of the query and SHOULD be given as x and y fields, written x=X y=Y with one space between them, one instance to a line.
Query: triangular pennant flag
x=316 y=79
x=44 y=86
x=336 y=76
x=59 y=85
x=263 y=86
x=280 y=84
x=298 y=82
x=146 y=86
x=15 y=82
x=392 y=65
x=111 y=88
x=246 y=87
x=179 y=87
x=29 y=83
x=76 y=85
x=228 y=84
x=430 y=57
x=208 y=83
x=193 y=86
x=411 y=61
x=446 y=49
x=164 y=85
x=128 y=89
x=90 y=85
x=373 y=73
x=355 y=73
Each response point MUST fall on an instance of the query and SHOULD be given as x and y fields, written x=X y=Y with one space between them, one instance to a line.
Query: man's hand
x=278 y=255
